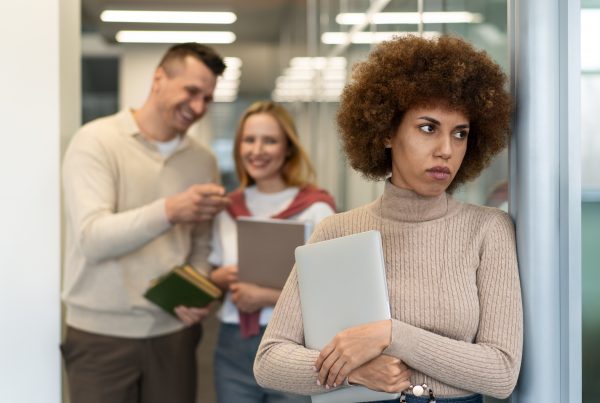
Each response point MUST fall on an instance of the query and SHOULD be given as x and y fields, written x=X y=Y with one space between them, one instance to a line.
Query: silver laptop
x=266 y=249
x=342 y=284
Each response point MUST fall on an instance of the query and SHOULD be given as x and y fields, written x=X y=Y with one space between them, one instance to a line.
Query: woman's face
x=428 y=149
x=263 y=148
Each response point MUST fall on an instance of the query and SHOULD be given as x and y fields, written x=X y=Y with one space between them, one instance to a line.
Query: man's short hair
x=203 y=53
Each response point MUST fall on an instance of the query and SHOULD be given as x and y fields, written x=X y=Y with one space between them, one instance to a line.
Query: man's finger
x=208 y=189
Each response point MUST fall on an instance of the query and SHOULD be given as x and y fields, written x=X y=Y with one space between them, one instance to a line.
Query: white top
x=224 y=240
x=166 y=148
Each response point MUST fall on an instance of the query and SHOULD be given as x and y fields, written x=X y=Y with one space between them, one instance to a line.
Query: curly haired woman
x=432 y=113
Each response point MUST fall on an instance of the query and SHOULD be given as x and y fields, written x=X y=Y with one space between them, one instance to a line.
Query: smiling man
x=139 y=196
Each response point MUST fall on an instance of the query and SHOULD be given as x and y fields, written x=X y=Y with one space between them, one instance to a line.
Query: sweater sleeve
x=89 y=183
x=282 y=362
x=490 y=365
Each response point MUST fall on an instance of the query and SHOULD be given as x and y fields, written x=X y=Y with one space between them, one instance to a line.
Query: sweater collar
x=129 y=127
x=405 y=205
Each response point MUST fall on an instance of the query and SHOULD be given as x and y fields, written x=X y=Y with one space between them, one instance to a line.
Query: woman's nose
x=444 y=147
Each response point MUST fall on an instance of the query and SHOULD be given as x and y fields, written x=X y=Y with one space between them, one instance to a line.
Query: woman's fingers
x=326 y=367
x=337 y=373
x=328 y=349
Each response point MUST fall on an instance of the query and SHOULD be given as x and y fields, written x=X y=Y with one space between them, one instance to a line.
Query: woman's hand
x=384 y=373
x=251 y=297
x=350 y=349
x=224 y=276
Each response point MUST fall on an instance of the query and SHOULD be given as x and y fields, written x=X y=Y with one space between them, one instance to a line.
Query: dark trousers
x=106 y=369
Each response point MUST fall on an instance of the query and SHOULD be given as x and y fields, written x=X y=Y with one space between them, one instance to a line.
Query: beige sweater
x=118 y=237
x=454 y=294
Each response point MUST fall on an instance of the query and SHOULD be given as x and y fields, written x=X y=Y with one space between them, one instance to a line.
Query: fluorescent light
x=227 y=84
x=168 y=17
x=311 y=79
x=175 y=36
x=299 y=74
x=232 y=74
x=429 y=17
x=224 y=98
x=233 y=62
x=318 y=62
x=336 y=38
x=590 y=31
x=225 y=91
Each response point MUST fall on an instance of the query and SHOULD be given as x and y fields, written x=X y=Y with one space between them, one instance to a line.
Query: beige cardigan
x=454 y=292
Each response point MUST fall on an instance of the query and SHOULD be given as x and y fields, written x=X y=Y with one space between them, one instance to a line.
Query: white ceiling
x=269 y=32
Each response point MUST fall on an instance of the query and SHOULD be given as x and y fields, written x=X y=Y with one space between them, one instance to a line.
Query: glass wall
x=590 y=209
x=99 y=89
x=482 y=23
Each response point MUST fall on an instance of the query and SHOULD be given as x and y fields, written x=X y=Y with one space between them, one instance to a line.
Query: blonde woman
x=276 y=180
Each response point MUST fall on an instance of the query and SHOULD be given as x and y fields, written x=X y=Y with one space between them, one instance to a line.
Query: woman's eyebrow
x=430 y=119
x=437 y=122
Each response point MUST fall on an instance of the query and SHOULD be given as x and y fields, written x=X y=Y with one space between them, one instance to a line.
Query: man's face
x=183 y=90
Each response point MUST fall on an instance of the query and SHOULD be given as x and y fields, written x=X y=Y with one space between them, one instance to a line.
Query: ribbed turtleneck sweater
x=454 y=293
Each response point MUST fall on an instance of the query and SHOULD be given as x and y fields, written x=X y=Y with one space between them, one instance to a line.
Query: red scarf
x=307 y=195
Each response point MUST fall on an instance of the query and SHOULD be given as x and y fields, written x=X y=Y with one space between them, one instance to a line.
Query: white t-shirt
x=166 y=148
x=224 y=239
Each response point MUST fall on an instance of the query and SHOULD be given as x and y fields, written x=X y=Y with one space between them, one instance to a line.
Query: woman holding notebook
x=432 y=113
x=276 y=179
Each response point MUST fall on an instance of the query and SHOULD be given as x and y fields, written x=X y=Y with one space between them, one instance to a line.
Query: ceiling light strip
x=168 y=17
x=429 y=17
x=337 y=38
x=376 y=6
x=175 y=36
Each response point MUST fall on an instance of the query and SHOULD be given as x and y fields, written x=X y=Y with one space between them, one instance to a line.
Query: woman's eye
x=427 y=128
x=461 y=134
x=248 y=140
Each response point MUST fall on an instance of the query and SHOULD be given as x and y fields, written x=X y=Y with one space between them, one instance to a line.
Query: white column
x=35 y=110
x=546 y=195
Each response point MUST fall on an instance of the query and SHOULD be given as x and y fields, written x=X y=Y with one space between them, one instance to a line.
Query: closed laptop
x=342 y=284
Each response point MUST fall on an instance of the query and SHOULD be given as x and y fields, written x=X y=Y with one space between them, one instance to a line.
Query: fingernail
x=315 y=369
x=326 y=386
x=318 y=382
x=335 y=385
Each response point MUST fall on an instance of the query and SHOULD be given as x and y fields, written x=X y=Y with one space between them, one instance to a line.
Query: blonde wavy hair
x=297 y=169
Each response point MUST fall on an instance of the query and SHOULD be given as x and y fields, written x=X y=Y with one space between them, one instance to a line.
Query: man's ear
x=159 y=76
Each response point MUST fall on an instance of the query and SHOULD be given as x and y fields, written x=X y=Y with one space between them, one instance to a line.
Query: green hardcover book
x=182 y=286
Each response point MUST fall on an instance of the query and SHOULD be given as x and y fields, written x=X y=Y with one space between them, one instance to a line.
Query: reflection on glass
x=483 y=23
x=590 y=208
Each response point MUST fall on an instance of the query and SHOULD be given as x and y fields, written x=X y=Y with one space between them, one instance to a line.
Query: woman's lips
x=439 y=173
x=257 y=164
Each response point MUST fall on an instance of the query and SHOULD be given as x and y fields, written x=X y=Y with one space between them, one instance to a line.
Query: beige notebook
x=266 y=249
